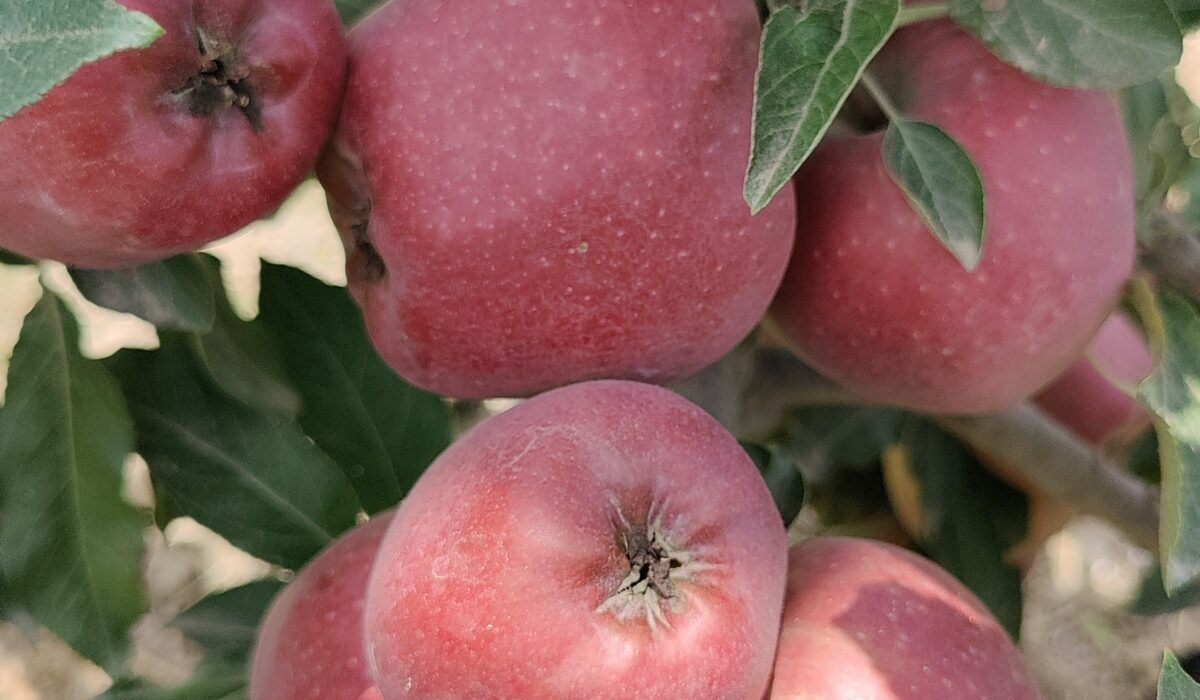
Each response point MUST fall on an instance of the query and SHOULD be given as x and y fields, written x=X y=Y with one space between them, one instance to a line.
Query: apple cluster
x=611 y=540
x=545 y=199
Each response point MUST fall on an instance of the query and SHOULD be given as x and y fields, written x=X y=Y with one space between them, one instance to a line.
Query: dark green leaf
x=811 y=60
x=1143 y=458
x=42 y=43
x=1164 y=129
x=1175 y=683
x=837 y=451
x=1144 y=106
x=1160 y=154
x=1182 y=182
x=251 y=476
x=226 y=624
x=972 y=519
x=822 y=437
x=1152 y=598
x=382 y=431
x=241 y=357
x=941 y=182
x=177 y=293
x=1173 y=393
x=70 y=548
x=8 y=606
x=1079 y=43
x=782 y=475
x=1186 y=12
x=7 y=258
x=353 y=10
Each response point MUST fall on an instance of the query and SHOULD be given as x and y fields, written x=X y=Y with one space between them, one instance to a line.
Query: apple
x=865 y=619
x=310 y=644
x=536 y=193
x=603 y=540
x=872 y=300
x=156 y=151
x=1085 y=399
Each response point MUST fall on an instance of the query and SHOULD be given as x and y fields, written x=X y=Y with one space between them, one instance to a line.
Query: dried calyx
x=222 y=83
x=658 y=562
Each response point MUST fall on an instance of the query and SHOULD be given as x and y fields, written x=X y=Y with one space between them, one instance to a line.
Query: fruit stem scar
x=221 y=83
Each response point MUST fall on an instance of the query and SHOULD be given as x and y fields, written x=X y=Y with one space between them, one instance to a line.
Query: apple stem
x=922 y=13
x=881 y=98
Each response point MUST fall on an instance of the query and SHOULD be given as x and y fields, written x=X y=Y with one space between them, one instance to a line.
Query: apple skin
x=537 y=193
x=864 y=619
x=499 y=576
x=310 y=645
x=1084 y=400
x=114 y=168
x=872 y=300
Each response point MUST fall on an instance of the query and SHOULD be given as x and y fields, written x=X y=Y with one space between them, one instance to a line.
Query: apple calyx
x=222 y=82
x=658 y=561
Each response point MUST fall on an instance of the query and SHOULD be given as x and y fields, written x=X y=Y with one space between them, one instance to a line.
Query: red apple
x=535 y=193
x=604 y=540
x=1084 y=397
x=310 y=646
x=160 y=150
x=865 y=619
x=873 y=300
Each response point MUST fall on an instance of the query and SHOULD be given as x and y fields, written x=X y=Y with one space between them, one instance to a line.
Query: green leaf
x=251 y=476
x=177 y=293
x=242 y=359
x=973 y=519
x=382 y=431
x=810 y=62
x=1157 y=114
x=42 y=43
x=226 y=624
x=240 y=356
x=1175 y=683
x=818 y=438
x=1152 y=598
x=8 y=606
x=353 y=10
x=70 y=548
x=837 y=451
x=941 y=182
x=1186 y=13
x=1079 y=43
x=782 y=475
x=1172 y=392
x=7 y=258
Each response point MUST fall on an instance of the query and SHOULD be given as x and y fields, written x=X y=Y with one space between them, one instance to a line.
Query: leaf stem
x=922 y=13
x=881 y=98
